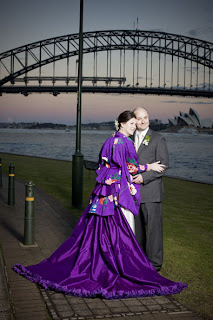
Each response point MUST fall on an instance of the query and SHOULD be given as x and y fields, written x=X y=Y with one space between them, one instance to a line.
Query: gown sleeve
x=103 y=199
x=117 y=162
x=125 y=153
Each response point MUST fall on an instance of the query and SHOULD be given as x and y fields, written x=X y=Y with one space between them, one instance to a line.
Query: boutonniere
x=146 y=140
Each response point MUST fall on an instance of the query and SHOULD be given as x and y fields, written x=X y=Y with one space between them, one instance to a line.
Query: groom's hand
x=138 y=179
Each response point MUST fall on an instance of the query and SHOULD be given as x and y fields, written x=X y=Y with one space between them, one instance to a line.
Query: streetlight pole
x=77 y=158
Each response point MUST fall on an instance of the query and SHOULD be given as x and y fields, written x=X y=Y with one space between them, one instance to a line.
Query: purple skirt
x=101 y=258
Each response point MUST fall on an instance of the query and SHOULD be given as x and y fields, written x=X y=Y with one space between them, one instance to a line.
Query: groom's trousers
x=149 y=232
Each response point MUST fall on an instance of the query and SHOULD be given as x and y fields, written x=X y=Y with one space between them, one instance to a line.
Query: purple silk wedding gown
x=102 y=257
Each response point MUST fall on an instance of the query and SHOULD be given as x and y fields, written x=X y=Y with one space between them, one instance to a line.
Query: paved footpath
x=22 y=300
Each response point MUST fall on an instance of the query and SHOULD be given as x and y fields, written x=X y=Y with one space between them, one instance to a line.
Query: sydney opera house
x=190 y=119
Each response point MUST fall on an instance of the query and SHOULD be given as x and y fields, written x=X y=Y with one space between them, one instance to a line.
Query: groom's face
x=142 y=119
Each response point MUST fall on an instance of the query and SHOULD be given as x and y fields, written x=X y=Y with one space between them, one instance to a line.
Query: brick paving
x=22 y=300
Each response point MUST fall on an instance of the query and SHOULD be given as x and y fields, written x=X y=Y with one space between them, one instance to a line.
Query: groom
x=150 y=147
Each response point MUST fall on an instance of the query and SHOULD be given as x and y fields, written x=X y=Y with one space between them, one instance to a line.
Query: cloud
x=199 y=32
x=171 y=101
x=148 y=78
x=199 y=102
x=193 y=33
x=188 y=102
x=194 y=69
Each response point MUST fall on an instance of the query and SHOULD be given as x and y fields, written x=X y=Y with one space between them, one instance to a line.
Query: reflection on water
x=190 y=155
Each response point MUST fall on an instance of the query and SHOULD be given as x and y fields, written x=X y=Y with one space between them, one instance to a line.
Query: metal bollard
x=29 y=214
x=11 y=185
x=0 y=174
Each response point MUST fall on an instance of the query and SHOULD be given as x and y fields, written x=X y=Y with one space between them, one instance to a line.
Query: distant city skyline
x=29 y=21
x=90 y=112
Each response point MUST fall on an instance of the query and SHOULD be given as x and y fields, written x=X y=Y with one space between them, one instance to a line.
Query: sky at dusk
x=26 y=21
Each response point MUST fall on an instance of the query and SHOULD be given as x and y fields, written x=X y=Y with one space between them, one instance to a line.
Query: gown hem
x=103 y=293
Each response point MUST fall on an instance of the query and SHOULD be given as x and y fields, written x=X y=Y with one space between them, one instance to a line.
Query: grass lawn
x=188 y=223
x=188 y=242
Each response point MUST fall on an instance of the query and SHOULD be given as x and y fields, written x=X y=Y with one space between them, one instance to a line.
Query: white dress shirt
x=139 y=136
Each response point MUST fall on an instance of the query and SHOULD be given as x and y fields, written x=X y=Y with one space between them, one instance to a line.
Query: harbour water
x=190 y=154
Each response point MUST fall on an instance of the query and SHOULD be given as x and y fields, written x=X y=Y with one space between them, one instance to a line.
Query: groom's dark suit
x=152 y=194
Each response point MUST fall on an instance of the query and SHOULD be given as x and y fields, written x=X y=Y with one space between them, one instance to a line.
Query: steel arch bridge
x=146 y=62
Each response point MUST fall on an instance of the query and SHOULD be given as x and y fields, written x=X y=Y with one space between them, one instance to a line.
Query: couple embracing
x=102 y=257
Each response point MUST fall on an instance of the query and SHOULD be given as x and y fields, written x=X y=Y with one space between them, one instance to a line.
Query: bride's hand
x=156 y=166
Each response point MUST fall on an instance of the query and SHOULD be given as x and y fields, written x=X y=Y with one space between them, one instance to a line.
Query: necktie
x=139 y=138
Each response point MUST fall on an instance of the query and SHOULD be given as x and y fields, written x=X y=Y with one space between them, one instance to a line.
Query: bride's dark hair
x=125 y=116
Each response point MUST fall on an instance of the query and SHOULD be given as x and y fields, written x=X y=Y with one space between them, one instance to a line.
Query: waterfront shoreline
x=168 y=129
x=181 y=129
x=69 y=161
x=190 y=154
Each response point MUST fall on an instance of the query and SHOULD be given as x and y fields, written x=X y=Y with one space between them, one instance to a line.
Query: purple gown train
x=102 y=257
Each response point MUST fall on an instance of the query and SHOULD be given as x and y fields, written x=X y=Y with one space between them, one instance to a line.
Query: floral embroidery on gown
x=102 y=256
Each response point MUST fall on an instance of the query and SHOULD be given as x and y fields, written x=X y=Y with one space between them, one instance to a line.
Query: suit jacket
x=152 y=189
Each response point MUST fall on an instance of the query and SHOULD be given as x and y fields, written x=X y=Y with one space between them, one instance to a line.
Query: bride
x=102 y=257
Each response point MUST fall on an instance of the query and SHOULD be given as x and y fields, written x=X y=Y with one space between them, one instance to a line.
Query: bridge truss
x=115 y=61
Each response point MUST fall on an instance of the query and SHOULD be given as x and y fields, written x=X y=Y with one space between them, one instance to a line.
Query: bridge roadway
x=55 y=90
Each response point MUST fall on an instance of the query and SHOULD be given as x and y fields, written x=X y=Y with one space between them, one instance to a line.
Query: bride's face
x=128 y=128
